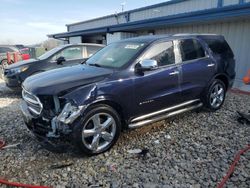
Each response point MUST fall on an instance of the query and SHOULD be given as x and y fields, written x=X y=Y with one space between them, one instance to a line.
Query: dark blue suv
x=128 y=84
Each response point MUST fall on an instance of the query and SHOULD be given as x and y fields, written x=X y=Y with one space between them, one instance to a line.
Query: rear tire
x=214 y=95
x=97 y=131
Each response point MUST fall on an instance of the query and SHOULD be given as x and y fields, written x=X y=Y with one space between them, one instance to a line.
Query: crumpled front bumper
x=36 y=125
x=59 y=125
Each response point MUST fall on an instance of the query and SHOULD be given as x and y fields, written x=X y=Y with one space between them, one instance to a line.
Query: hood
x=22 y=63
x=58 y=80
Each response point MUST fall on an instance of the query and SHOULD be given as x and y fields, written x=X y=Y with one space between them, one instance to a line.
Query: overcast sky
x=29 y=21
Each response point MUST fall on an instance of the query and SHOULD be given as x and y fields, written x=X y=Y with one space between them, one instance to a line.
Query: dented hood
x=60 y=80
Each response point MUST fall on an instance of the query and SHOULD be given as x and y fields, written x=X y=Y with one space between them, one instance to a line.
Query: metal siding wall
x=75 y=40
x=183 y=7
x=230 y=2
x=94 y=24
x=119 y=36
x=236 y=34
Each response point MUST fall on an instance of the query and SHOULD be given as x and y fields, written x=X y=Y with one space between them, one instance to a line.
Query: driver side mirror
x=146 y=65
x=59 y=60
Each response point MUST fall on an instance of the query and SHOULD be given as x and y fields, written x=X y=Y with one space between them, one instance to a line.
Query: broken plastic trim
x=70 y=113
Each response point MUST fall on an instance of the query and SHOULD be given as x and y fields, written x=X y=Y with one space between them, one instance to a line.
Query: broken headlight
x=70 y=113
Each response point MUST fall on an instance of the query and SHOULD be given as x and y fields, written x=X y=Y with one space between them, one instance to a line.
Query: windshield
x=115 y=55
x=49 y=53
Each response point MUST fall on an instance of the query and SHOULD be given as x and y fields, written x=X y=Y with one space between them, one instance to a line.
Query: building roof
x=201 y=16
x=169 y=2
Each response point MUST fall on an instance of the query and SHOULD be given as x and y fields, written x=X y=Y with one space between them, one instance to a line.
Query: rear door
x=197 y=68
x=158 y=89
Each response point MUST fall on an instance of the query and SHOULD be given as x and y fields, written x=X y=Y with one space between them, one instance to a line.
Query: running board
x=163 y=116
x=165 y=110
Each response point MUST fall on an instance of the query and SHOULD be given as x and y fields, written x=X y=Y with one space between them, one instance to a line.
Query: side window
x=5 y=50
x=70 y=53
x=162 y=52
x=191 y=49
x=199 y=49
x=91 y=50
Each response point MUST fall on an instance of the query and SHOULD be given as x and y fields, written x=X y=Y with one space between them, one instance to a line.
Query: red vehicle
x=25 y=53
x=10 y=54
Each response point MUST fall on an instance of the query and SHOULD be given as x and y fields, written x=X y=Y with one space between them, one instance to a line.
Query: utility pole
x=123 y=5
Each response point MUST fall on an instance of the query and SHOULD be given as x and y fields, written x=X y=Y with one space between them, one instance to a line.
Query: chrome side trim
x=211 y=65
x=163 y=116
x=164 y=110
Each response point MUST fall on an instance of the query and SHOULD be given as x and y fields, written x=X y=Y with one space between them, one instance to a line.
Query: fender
x=88 y=95
x=82 y=95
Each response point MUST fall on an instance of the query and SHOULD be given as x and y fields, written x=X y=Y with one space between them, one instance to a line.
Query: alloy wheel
x=217 y=95
x=98 y=132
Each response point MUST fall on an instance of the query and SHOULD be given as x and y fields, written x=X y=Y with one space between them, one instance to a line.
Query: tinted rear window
x=219 y=47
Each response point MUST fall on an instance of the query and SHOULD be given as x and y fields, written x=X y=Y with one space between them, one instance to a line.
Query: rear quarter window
x=220 y=47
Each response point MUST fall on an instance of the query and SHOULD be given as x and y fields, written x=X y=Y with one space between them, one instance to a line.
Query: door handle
x=210 y=65
x=174 y=73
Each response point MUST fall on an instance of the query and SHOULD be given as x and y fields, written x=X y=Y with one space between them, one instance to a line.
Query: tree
x=51 y=43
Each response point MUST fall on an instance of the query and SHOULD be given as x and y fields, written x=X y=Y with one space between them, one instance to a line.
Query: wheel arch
x=224 y=79
x=115 y=105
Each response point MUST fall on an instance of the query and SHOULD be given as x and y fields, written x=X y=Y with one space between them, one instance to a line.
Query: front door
x=159 y=88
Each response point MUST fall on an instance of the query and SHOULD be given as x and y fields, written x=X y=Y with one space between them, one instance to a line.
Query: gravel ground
x=190 y=150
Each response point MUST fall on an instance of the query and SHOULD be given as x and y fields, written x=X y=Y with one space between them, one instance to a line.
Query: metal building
x=230 y=18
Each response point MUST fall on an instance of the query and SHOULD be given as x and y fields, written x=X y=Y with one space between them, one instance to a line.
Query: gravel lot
x=190 y=150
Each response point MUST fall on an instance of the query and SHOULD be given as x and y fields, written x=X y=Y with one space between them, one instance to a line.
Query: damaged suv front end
x=50 y=111
x=52 y=119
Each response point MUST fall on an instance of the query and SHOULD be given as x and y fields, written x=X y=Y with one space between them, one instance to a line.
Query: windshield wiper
x=84 y=61
x=94 y=64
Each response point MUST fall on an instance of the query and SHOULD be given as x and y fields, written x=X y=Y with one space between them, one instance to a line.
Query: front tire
x=214 y=96
x=4 y=63
x=97 y=131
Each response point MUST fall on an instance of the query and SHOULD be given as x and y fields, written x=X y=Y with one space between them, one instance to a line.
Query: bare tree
x=51 y=43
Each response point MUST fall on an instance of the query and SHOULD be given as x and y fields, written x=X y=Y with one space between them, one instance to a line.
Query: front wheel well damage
x=115 y=106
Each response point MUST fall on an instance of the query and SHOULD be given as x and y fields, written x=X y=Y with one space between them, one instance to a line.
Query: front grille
x=34 y=105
